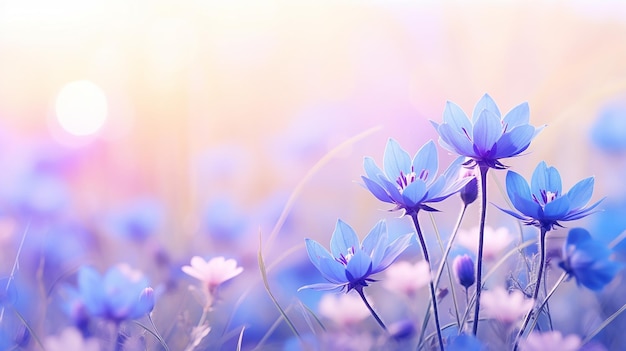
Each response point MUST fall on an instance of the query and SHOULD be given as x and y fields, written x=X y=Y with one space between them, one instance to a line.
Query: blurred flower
x=70 y=339
x=543 y=203
x=138 y=220
x=494 y=240
x=464 y=269
x=406 y=278
x=345 y=309
x=402 y=330
x=212 y=273
x=117 y=296
x=609 y=129
x=488 y=137
x=503 y=306
x=464 y=342
x=352 y=263
x=550 y=341
x=412 y=184
x=587 y=260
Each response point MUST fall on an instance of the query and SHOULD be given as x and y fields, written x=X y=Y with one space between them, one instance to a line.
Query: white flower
x=70 y=339
x=503 y=306
x=406 y=278
x=343 y=309
x=494 y=240
x=214 y=272
x=550 y=341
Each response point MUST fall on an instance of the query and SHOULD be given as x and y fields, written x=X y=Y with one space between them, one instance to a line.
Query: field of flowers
x=275 y=175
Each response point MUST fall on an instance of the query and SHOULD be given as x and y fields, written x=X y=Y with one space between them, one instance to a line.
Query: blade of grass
x=240 y=341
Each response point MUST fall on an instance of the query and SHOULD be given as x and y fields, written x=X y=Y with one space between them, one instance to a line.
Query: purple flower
x=543 y=203
x=488 y=137
x=588 y=260
x=464 y=268
x=349 y=264
x=412 y=184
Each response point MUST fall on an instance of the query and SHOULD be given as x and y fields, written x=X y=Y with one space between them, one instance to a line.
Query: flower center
x=405 y=180
x=344 y=259
x=546 y=197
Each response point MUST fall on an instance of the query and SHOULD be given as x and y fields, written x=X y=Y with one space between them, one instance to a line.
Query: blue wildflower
x=488 y=137
x=543 y=203
x=117 y=296
x=464 y=342
x=587 y=260
x=412 y=184
x=464 y=268
x=350 y=264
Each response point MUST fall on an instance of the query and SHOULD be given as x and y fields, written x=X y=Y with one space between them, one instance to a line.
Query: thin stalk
x=548 y=296
x=433 y=296
x=542 y=261
x=481 y=234
x=359 y=289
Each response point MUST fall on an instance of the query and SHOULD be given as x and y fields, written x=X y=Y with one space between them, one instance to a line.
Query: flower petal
x=545 y=178
x=518 y=116
x=580 y=194
x=344 y=238
x=426 y=159
x=519 y=193
x=392 y=251
x=454 y=116
x=316 y=252
x=414 y=193
x=485 y=103
x=375 y=241
x=333 y=271
x=395 y=160
x=324 y=286
x=359 y=266
x=487 y=130
x=583 y=212
x=371 y=168
x=557 y=209
x=92 y=290
x=577 y=236
x=456 y=141
x=377 y=190
x=515 y=141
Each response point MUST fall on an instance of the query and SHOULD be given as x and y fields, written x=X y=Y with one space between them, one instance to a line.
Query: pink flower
x=406 y=278
x=343 y=309
x=503 y=306
x=214 y=272
x=71 y=339
x=495 y=241
x=550 y=341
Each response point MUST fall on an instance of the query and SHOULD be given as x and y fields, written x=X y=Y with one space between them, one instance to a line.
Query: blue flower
x=412 y=184
x=350 y=264
x=543 y=203
x=587 y=260
x=488 y=137
x=117 y=296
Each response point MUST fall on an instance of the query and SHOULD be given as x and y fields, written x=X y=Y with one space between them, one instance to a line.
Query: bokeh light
x=81 y=108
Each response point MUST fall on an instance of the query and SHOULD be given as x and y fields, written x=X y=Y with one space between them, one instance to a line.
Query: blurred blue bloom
x=350 y=264
x=609 y=130
x=488 y=137
x=464 y=342
x=412 y=184
x=588 y=260
x=138 y=220
x=117 y=296
x=543 y=203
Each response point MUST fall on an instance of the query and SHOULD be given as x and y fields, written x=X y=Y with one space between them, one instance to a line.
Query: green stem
x=479 y=260
x=433 y=296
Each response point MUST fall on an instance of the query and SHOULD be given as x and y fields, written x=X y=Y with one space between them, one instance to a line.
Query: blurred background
x=183 y=127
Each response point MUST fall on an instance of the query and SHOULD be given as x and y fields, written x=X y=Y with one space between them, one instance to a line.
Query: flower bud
x=469 y=192
x=147 y=300
x=464 y=269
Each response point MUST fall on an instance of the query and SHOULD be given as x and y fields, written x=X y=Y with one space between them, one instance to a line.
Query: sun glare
x=81 y=108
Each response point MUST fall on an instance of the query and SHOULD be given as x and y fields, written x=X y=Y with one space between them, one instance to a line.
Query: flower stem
x=359 y=289
x=481 y=234
x=433 y=296
x=542 y=262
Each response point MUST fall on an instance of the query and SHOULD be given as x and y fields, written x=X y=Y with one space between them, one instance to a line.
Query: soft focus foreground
x=163 y=163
